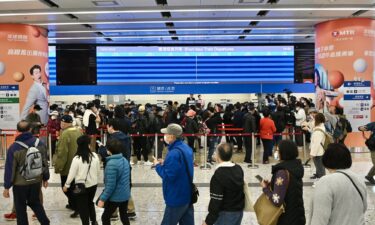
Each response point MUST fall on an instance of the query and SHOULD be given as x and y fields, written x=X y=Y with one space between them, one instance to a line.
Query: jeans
x=249 y=148
x=277 y=139
x=85 y=205
x=69 y=195
x=371 y=173
x=183 y=215
x=211 y=147
x=111 y=207
x=320 y=171
x=28 y=195
x=267 y=148
x=232 y=218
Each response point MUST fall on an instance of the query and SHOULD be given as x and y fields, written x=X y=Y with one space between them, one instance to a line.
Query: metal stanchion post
x=156 y=145
x=101 y=136
x=294 y=134
x=205 y=165
x=105 y=137
x=253 y=146
x=305 y=158
x=50 y=150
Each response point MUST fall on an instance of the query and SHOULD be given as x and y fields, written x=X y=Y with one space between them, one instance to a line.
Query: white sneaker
x=132 y=163
x=148 y=163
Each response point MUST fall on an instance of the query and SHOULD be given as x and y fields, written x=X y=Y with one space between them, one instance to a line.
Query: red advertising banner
x=344 y=70
x=23 y=73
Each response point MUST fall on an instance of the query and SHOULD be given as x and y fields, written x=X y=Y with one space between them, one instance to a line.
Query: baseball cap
x=191 y=113
x=67 y=119
x=173 y=129
x=141 y=108
x=54 y=113
x=37 y=107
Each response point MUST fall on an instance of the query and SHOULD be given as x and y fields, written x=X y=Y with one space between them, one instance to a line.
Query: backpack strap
x=36 y=142
x=22 y=144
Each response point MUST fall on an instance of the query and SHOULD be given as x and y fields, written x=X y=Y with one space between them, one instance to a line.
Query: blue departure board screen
x=187 y=69
x=195 y=64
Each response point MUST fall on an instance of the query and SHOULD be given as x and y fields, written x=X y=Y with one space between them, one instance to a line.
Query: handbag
x=80 y=188
x=249 y=206
x=267 y=213
x=194 y=189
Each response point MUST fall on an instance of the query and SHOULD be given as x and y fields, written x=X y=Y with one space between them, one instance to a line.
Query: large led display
x=195 y=64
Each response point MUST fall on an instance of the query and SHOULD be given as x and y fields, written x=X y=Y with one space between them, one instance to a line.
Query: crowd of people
x=77 y=157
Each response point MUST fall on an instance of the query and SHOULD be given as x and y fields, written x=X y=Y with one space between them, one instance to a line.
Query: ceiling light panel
x=200 y=14
x=336 y=2
x=89 y=3
x=309 y=13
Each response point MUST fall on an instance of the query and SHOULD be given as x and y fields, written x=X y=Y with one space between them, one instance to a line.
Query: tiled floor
x=149 y=202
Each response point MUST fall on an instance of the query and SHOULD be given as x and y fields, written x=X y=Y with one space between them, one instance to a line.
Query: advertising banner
x=344 y=70
x=24 y=73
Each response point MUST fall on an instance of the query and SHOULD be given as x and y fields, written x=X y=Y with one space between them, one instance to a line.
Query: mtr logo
x=342 y=33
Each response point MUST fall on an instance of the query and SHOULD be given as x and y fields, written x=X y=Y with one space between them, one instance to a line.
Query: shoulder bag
x=267 y=213
x=80 y=188
x=249 y=206
x=194 y=189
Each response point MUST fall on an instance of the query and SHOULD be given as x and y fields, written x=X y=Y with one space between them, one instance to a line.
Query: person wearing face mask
x=53 y=128
x=176 y=180
x=285 y=187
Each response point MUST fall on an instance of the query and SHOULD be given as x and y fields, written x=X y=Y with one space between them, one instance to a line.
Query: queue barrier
x=103 y=136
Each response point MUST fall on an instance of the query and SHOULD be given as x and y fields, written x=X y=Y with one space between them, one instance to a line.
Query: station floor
x=147 y=193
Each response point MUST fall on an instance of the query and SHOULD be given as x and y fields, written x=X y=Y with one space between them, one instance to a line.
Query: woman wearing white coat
x=316 y=145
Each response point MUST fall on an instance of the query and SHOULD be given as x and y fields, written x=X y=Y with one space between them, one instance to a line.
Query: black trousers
x=239 y=142
x=160 y=144
x=191 y=141
x=299 y=137
x=110 y=207
x=69 y=194
x=248 y=148
x=140 y=147
x=85 y=205
x=28 y=195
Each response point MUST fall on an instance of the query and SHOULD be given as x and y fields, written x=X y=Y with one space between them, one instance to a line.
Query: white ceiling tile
x=22 y=5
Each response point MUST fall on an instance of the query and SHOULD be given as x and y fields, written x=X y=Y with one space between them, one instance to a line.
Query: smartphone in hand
x=99 y=143
x=259 y=178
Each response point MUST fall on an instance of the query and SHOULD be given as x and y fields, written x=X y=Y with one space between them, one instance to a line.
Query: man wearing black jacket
x=226 y=190
x=237 y=122
x=248 y=127
x=212 y=123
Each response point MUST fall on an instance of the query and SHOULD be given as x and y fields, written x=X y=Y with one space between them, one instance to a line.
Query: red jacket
x=53 y=126
x=267 y=128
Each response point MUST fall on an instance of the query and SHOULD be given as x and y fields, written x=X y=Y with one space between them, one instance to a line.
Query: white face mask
x=165 y=139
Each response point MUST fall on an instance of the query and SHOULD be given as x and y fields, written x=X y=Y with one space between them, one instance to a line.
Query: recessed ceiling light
x=105 y=3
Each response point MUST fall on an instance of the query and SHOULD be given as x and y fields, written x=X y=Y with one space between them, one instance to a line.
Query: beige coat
x=317 y=140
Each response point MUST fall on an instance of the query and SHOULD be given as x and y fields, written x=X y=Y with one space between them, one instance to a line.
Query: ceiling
x=181 y=21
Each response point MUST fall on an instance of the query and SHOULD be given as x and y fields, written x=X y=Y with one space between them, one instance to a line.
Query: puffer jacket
x=116 y=179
